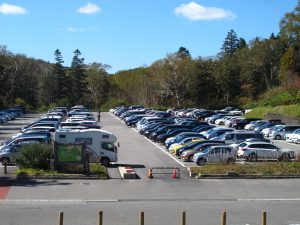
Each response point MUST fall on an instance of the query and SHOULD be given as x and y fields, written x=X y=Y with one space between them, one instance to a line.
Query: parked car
x=215 y=154
x=187 y=156
x=252 y=151
x=7 y=155
x=242 y=123
x=280 y=133
x=240 y=136
x=292 y=137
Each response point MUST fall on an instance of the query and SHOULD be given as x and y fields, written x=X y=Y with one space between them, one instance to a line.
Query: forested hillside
x=238 y=75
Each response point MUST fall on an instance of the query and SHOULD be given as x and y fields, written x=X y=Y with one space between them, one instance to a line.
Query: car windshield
x=206 y=150
x=222 y=135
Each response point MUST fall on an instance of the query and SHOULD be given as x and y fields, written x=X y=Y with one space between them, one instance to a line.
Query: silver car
x=252 y=151
x=215 y=154
x=280 y=133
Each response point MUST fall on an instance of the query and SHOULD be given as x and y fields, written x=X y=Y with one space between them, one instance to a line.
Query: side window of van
x=108 y=146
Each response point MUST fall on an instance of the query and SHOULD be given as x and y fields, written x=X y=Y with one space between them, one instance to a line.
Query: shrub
x=34 y=156
x=20 y=101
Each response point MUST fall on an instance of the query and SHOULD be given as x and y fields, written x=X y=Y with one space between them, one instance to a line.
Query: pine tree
x=60 y=84
x=183 y=53
x=78 y=77
x=231 y=43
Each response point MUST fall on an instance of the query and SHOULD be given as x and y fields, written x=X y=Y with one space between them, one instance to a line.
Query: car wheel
x=200 y=162
x=277 y=137
x=190 y=159
x=105 y=161
x=285 y=157
x=5 y=161
x=253 y=157
x=231 y=161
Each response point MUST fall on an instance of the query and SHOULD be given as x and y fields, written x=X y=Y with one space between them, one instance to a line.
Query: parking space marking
x=160 y=148
x=138 y=200
x=165 y=152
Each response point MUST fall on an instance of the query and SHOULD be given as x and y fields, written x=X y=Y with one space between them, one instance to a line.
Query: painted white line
x=165 y=152
x=157 y=146
x=269 y=199
x=55 y=200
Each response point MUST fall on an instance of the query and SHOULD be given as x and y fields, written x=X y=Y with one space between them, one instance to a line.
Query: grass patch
x=261 y=112
x=95 y=169
x=266 y=168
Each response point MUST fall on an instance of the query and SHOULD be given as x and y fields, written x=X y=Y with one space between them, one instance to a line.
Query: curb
x=234 y=175
x=69 y=177
x=224 y=176
x=127 y=172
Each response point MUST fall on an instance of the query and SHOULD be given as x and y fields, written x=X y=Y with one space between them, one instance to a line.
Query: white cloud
x=12 y=9
x=194 y=11
x=74 y=29
x=89 y=8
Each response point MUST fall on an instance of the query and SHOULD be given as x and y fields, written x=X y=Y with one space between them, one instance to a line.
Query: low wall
x=288 y=120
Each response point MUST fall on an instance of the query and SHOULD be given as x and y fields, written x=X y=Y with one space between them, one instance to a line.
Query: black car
x=242 y=123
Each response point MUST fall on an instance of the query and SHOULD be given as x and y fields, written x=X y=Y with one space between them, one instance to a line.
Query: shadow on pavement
x=135 y=166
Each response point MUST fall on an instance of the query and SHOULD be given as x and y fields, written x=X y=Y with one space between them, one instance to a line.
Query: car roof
x=258 y=142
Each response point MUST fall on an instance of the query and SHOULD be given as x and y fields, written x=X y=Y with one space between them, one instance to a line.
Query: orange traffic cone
x=174 y=174
x=150 y=175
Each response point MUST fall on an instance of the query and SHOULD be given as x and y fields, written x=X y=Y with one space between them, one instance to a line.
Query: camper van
x=100 y=144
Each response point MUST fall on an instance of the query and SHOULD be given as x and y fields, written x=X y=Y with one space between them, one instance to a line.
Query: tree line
x=238 y=74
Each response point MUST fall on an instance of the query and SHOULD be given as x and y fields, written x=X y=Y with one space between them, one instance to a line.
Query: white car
x=296 y=139
x=292 y=137
x=252 y=151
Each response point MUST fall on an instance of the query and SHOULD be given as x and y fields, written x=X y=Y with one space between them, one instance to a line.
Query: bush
x=34 y=156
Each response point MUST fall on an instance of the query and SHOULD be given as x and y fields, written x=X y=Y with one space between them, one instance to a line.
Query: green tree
x=97 y=84
x=290 y=34
x=290 y=26
x=59 y=78
x=183 y=52
x=78 y=79
x=231 y=43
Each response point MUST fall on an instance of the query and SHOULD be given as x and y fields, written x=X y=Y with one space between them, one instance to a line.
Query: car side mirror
x=118 y=145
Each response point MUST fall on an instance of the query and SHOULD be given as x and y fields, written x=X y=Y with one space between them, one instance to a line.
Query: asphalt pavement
x=38 y=202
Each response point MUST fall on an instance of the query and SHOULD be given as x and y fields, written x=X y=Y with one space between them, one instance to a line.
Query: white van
x=100 y=144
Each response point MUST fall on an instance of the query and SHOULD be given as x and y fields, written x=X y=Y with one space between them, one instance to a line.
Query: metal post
x=183 y=218
x=223 y=218
x=100 y=218
x=5 y=168
x=61 y=218
x=264 y=218
x=142 y=218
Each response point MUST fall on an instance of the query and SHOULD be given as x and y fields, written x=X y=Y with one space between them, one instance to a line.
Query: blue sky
x=131 y=33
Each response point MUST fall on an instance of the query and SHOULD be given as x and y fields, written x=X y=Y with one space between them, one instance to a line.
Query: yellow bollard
x=183 y=218
x=61 y=218
x=264 y=218
x=223 y=218
x=142 y=218
x=100 y=217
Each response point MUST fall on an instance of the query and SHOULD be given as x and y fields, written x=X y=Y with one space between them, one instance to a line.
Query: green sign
x=69 y=153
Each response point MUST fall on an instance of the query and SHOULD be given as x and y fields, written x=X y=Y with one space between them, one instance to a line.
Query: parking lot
x=162 y=198
x=136 y=150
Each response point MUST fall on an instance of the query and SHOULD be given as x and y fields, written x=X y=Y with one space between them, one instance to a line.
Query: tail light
x=243 y=149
